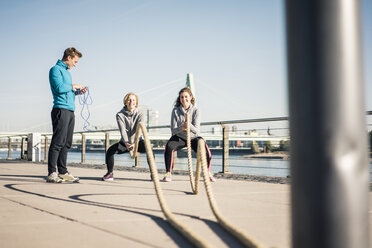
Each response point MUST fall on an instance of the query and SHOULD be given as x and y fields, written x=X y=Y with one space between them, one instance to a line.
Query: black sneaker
x=108 y=177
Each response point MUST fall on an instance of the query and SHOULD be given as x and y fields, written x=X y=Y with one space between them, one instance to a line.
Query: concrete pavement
x=126 y=213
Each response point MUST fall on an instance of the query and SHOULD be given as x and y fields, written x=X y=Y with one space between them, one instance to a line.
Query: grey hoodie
x=127 y=122
x=178 y=118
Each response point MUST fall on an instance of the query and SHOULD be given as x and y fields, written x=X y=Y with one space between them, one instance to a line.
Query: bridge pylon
x=190 y=83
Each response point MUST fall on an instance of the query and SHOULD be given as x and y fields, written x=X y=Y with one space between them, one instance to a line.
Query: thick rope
x=202 y=162
x=185 y=231
x=194 y=185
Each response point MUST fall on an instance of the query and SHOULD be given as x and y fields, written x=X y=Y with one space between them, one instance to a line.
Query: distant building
x=151 y=115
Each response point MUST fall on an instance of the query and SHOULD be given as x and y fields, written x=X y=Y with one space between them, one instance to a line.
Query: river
x=237 y=164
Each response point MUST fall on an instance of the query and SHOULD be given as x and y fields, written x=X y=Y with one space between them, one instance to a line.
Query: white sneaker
x=67 y=177
x=53 y=178
x=167 y=177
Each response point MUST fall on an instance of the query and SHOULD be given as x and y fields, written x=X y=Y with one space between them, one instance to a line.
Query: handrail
x=222 y=123
x=211 y=123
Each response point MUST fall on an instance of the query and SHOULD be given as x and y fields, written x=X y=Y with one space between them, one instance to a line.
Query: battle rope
x=85 y=100
x=201 y=162
x=194 y=185
x=185 y=231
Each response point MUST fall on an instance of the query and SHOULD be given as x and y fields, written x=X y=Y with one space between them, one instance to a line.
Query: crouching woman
x=128 y=119
x=184 y=104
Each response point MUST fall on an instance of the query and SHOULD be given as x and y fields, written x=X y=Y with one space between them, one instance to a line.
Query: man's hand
x=77 y=86
x=82 y=89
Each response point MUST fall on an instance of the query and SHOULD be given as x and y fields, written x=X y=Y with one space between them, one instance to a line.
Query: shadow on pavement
x=77 y=199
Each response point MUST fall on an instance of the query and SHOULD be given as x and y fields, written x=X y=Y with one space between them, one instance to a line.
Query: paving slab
x=126 y=213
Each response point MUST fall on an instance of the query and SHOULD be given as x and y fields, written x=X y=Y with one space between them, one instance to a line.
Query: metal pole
x=225 y=150
x=329 y=168
x=83 y=147
x=46 y=146
x=9 y=148
x=107 y=141
x=23 y=148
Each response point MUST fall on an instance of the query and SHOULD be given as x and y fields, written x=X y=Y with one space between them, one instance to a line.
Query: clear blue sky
x=235 y=49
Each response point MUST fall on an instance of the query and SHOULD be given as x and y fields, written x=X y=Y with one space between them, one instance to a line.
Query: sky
x=235 y=50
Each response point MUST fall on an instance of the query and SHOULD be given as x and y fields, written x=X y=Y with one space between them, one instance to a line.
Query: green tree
x=254 y=147
x=268 y=145
x=284 y=145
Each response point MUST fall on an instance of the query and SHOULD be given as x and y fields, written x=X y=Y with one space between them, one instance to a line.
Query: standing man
x=63 y=118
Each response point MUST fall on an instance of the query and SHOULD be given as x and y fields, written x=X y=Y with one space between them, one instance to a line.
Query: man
x=63 y=118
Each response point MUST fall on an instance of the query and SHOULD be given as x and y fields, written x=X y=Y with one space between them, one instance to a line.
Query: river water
x=237 y=164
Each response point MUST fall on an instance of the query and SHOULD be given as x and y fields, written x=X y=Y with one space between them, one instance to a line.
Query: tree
x=284 y=145
x=254 y=147
x=268 y=146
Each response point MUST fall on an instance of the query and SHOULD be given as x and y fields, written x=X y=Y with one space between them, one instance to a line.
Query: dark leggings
x=175 y=143
x=120 y=149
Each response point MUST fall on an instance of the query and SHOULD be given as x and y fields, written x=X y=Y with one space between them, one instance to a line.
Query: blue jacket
x=61 y=85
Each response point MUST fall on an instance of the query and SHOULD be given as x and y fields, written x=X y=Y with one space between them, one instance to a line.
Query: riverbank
x=231 y=176
x=274 y=155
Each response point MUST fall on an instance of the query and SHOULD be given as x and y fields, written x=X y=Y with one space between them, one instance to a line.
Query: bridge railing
x=20 y=140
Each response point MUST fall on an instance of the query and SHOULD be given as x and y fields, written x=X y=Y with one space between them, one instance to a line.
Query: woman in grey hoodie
x=184 y=104
x=127 y=119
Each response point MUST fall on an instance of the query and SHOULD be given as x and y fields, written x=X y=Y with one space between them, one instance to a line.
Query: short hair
x=71 y=51
x=185 y=89
x=125 y=100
